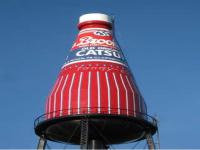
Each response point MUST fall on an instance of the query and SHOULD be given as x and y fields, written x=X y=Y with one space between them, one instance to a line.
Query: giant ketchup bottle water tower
x=95 y=100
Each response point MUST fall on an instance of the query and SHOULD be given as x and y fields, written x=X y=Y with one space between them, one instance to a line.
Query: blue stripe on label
x=96 y=52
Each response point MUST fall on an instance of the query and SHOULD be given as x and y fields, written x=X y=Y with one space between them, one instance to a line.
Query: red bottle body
x=95 y=78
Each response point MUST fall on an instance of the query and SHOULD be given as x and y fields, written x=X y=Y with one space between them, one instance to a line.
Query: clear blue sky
x=160 y=39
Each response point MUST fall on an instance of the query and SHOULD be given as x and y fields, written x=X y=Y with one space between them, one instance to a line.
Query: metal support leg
x=95 y=145
x=150 y=142
x=42 y=143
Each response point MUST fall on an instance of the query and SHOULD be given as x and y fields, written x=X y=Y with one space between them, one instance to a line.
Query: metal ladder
x=84 y=133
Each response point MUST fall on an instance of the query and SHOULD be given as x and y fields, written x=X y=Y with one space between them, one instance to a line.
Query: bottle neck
x=96 y=42
x=94 y=24
x=95 y=33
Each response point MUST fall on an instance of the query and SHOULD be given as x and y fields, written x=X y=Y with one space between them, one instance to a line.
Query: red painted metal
x=95 y=77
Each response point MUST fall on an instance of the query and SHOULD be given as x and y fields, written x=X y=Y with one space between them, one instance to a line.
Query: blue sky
x=160 y=39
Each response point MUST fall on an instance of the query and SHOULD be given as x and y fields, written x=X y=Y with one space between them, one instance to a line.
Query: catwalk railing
x=94 y=111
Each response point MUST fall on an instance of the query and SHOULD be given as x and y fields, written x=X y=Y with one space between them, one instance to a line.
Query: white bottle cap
x=95 y=16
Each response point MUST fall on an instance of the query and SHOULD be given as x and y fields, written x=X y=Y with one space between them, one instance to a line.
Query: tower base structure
x=96 y=131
